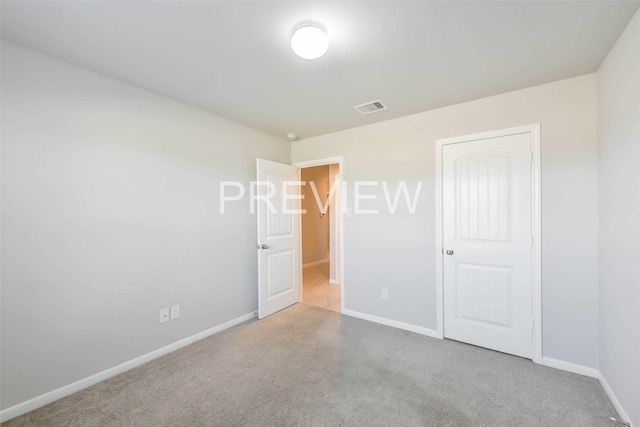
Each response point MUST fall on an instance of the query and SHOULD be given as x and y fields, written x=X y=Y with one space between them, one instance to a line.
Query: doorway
x=320 y=235
x=488 y=230
x=279 y=237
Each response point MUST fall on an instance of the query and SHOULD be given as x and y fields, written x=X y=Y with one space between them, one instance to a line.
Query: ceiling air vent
x=371 y=107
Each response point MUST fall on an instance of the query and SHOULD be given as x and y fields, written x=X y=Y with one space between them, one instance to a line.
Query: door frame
x=536 y=254
x=323 y=162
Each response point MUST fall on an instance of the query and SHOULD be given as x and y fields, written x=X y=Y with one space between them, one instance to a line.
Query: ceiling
x=234 y=59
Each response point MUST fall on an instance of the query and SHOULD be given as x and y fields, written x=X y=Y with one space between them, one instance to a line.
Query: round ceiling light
x=309 y=40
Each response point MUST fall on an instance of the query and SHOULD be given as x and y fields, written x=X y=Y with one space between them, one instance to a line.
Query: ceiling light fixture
x=309 y=40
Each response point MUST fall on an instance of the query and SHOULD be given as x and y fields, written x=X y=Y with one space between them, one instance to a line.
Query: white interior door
x=278 y=236
x=487 y=238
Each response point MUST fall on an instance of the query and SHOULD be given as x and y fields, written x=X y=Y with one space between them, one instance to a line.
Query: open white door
x=278 y=236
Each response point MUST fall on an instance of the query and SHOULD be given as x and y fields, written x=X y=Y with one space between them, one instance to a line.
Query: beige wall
x=110 y=212
x=619 y=238
x=397 y=252
x=315 y=228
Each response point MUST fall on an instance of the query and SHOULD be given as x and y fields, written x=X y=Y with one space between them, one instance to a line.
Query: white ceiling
x=234 y=59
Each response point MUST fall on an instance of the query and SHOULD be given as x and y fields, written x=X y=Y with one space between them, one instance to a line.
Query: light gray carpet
x=306 y=366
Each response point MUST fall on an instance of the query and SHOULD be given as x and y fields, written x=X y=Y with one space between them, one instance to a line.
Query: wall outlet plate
x=175 y=311
x=164 y=315
x=385 y=294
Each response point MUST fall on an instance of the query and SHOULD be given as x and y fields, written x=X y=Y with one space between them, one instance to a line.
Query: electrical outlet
x=385 y=294
x=164 y=315
x=175 y=311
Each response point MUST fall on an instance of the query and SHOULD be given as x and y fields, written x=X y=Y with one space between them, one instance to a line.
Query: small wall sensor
x=292 y=136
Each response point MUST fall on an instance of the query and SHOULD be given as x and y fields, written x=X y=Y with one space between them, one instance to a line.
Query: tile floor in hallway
x=316 y=289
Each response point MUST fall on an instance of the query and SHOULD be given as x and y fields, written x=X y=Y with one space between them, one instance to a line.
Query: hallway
x=316 y=289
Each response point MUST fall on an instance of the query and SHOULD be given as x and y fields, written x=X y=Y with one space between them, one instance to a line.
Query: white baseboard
x=570 y=367
x=334 y=282
x=311 y=264
x=393 y=323
x=590 y=372
x=614 y=400
x=45 y=399
x=39 y=401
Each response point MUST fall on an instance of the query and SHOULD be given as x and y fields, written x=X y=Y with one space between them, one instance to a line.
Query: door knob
x=449 y=252
x=264 y=246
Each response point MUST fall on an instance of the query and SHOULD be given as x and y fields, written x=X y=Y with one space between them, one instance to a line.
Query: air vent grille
x=371 y=107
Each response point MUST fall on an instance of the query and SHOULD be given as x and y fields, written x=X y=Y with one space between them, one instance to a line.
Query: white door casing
x=334 y=225
x=339 y=211
x=279 y=267
x=489 y=240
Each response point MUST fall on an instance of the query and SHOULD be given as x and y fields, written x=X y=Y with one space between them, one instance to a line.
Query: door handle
x=449 y=252
x=263 y=246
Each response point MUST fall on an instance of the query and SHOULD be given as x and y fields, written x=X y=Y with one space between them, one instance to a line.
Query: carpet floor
x=306 y=366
